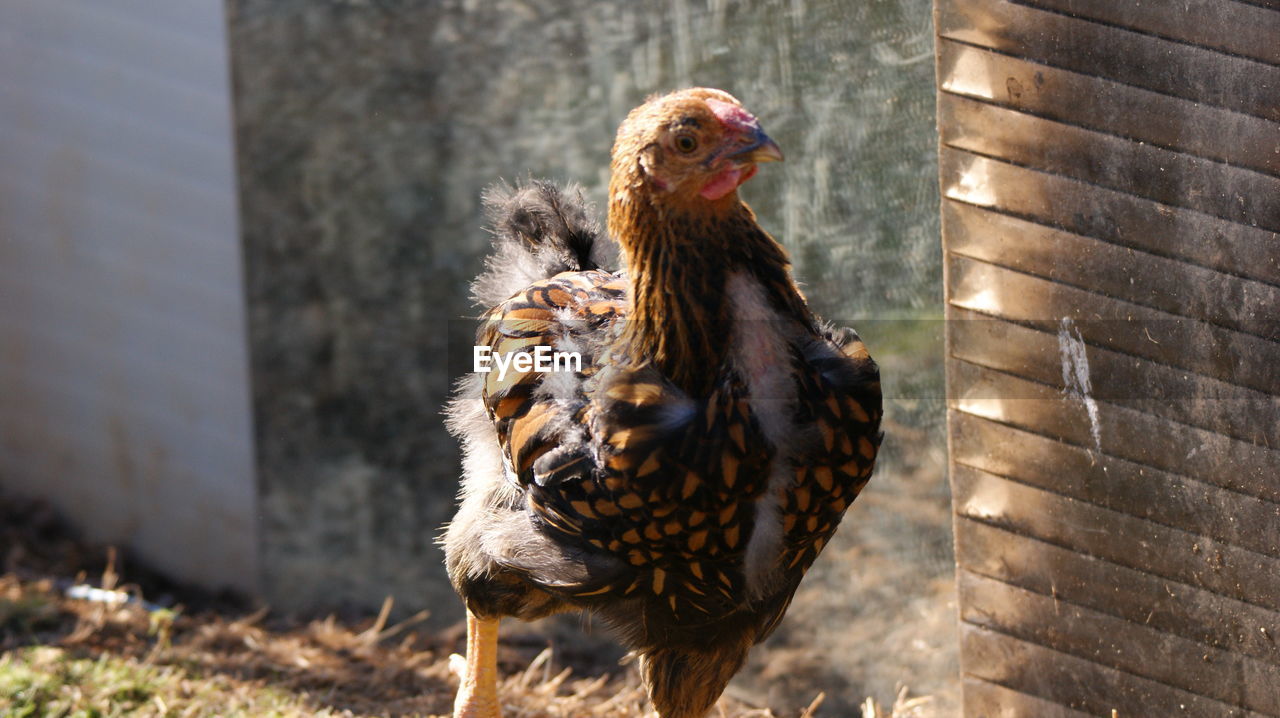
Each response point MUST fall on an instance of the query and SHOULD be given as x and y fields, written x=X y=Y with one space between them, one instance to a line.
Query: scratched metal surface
x=1111 y=182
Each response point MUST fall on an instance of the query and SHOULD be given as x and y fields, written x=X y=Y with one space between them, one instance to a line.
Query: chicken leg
x=478 y=692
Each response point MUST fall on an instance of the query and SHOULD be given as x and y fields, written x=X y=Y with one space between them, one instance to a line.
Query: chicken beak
x=757 y=147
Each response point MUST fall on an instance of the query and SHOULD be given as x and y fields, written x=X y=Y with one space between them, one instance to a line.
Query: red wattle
x=722 y=184
x=729 y=179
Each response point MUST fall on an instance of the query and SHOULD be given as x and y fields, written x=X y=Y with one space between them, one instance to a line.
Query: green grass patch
x=47 y=681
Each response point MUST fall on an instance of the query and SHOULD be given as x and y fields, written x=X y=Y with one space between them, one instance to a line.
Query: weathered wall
x=367 y=131
x=1112 y=228
x=123 y=369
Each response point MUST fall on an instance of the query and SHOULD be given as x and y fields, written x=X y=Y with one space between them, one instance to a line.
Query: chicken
x=680 y=482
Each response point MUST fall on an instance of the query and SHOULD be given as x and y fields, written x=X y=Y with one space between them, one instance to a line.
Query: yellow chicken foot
x=478 y=692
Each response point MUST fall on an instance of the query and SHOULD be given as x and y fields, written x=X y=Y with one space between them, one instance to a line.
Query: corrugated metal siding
x=1111 y=221
x=123 y=380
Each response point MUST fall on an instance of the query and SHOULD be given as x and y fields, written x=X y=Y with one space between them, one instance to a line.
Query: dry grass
x=63 y=656
x=67 y=657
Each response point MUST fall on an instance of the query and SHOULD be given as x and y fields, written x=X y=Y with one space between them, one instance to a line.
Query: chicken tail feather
x=540 y=230
x=685 y=682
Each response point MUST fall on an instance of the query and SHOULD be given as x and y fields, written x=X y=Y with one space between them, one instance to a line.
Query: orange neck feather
x=679 y=253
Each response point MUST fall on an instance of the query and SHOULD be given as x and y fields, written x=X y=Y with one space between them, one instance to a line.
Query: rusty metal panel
x=1125 y=433
x=1114 y=53
x=1112 y=216
x=1219 y=674
x=1140 y=278
x=1109 y=106
x=1116 y=378
x=996 y=701
x=1126 y=326
x=1078 y=683
x=1166 y=176
x=1239 y=28
x=1113 y=483
x=1117 y=537
x=1074 y=578
x=1111 y=221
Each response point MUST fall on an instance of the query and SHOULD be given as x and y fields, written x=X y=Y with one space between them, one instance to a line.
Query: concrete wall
x=123 y=378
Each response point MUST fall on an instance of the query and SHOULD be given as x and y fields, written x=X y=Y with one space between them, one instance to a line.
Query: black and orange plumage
x=681 y=483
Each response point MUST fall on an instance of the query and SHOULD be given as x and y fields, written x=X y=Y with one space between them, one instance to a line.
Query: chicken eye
x=686 y=143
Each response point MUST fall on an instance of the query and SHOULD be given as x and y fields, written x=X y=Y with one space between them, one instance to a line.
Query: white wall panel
x=123 y=381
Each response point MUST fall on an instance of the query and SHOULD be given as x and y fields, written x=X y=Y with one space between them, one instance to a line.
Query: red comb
x=733 y=116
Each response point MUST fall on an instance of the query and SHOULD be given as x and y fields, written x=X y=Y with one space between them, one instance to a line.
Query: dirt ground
x=168 y=650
